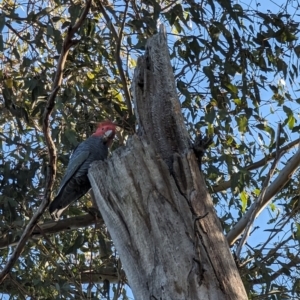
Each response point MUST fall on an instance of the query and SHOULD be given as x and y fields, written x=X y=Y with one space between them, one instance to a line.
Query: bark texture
x=155 y=203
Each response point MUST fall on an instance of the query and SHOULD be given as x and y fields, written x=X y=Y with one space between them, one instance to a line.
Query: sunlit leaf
x=244 y=199
x=273 y=206
x=242 y=123
x=9 y=83
x=90 y=75
x=291 y=122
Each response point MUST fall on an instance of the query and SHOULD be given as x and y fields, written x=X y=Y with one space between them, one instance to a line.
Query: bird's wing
x=74 y=164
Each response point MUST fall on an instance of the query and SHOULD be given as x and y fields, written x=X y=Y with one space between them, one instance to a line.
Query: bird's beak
x=108 y=134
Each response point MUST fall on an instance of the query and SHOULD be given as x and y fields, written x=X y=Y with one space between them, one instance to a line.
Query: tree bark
x=154 y=202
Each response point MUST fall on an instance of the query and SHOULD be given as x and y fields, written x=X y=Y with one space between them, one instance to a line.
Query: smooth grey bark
x=275 y=187
x=154 y=202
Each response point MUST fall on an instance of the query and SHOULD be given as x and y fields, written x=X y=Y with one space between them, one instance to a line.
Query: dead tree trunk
x=154 y=201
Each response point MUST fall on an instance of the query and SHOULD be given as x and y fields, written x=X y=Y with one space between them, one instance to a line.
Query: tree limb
x=118 y=40
x=291 y=264
x=258 y=202
x=20 y=37
x=51 y=170
x=105 y=272
x=227 y=184
x=12 y=238
x=280 y=181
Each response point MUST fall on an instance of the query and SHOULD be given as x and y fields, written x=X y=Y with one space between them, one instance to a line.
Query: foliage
x=236 y=70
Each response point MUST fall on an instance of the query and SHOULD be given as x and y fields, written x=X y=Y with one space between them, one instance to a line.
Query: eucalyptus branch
x=20 y=37
x=227 y=184
x=68 y=271
x=269 y=255
x=118 y=39
x=259 y=201
x=191 y=65
x=104 y=272
x=168 y=6
x=270 y=293
x=51 y=170
x=51 y=227
x=281 y=180
x=20 y=287
x=292 y=263
x=274 y=233
x=135 y=9
x=273 y=251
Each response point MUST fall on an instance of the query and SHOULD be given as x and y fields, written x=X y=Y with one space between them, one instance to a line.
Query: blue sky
x=273 y=117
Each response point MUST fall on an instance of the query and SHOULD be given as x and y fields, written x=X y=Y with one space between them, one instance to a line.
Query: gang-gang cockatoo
x=75 y=182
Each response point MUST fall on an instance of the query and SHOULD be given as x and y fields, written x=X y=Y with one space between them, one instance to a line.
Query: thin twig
x=227 y=184
x=51 y=170
x=67 y=270
x=51 y=227
x=274 y=188
x=20 y=37
x=118 y=39
x=191 y=65
x=294 y=262
x=261 y=196
x=21 y=289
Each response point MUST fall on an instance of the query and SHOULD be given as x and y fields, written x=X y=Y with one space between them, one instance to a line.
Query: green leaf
x=16 y=53
x=287 y=110
x=297 y=51
x=90 y=75
x=237 y=101
x=71 y=136
x=273 y=206
x=256 y=93
x=291 y=122
x=232 y=88
x=1 y=43
x=210 y=129
x=49 y=30
x=282 y=66
x=2 y=21
x=242 y=123
x=297 y=231
x=74 y=11
x=209 y=73
x=244 y=199
x=76 y=245
x=256 y=192
x=175 y=11
x=194 y=45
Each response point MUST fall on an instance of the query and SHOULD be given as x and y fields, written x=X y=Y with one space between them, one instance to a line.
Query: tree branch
x=12 y=238
x=21 y=38
x=280 y=181
x=291 y=264
x=258 y=202
x=118 y=40
x=227 y=184
x=51 y=170
x=106 y=272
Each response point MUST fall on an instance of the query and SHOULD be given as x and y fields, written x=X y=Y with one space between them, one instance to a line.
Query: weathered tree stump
x=154 y=202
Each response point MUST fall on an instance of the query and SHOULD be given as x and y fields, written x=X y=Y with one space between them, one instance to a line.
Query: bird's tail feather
x=71 y=192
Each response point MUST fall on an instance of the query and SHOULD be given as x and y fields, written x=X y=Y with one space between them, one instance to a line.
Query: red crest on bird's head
x=107 y=130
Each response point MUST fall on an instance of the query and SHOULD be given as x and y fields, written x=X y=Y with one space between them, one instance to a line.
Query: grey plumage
x=75 y=183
